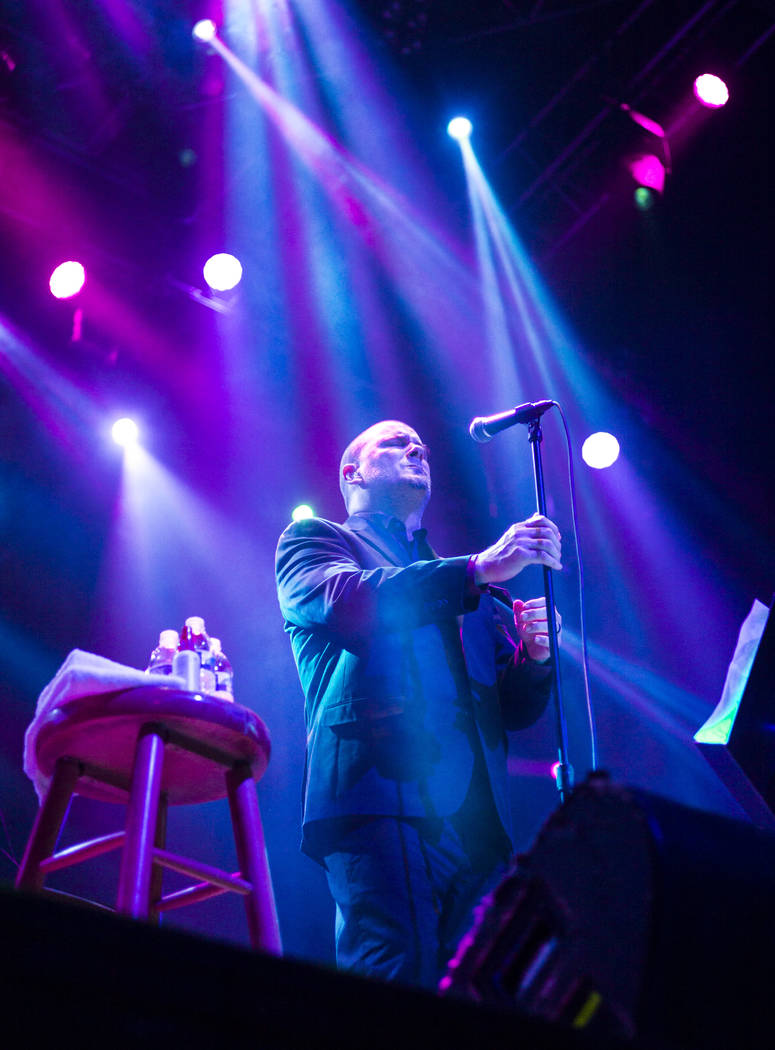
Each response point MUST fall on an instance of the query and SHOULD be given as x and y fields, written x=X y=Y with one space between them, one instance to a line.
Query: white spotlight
x=125 y=432
x=600 y=450
x=459 y=128
x=302 y=512
x=204 y=30
x=222 y=272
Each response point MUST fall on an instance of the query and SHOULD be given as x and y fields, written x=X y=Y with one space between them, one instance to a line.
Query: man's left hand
x=532 y=627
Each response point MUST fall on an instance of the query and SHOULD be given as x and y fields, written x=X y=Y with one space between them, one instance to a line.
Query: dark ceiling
x=543 y=78
x=101 y=113
x=672 y=308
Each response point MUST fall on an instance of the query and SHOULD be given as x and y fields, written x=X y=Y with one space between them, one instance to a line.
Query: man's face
x=393 y=459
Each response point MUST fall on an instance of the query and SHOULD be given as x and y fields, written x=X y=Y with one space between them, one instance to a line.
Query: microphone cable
x=580 y=563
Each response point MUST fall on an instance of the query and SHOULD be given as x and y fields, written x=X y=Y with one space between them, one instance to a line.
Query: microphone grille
x=478 y=430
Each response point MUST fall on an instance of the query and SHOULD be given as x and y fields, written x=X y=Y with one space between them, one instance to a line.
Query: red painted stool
x=148 y=747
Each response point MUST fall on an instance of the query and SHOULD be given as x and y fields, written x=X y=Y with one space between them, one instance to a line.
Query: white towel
x=82 y=674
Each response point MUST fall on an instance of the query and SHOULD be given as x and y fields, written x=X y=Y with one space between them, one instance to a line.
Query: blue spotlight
x=459 y=128
x=204 y=30
x=125 y=432
x=600 y=450
x=222 y=272
x=302 y=511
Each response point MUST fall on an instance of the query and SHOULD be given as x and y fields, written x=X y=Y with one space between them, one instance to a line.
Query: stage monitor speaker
x=632 y=916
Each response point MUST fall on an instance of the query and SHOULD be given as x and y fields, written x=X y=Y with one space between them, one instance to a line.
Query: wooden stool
x=148 y=747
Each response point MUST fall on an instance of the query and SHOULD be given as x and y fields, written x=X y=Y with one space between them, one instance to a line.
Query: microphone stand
x=564 y=778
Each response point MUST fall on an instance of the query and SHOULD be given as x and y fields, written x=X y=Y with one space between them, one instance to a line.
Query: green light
x=717 y=732
x=302 y=511
x=644 y=198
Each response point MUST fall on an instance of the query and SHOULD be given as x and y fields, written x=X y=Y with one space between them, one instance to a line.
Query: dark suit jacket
x=395 y=707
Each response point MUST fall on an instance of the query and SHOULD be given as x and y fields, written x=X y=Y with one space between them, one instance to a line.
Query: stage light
x=67 y=280
x=644 y=198
x=459 y=128
x=711 y=91
x=302 y=511
x=204 y=30
x=125 y=432
x=600 y=450
x=643 y=121
x=222 y=272
x=648 y=170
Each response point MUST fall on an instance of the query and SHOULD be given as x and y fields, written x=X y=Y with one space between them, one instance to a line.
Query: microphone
x=484 y=428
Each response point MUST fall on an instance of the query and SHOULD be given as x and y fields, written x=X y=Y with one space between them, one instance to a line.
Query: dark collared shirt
x=418 y=549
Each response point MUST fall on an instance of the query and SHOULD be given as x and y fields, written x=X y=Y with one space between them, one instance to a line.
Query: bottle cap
x=196 y=623
x=169 y=639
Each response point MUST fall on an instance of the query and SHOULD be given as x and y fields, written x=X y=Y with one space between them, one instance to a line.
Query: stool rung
x=196 y=870
x=83 y=851
x=203 y=891
x=72 y=898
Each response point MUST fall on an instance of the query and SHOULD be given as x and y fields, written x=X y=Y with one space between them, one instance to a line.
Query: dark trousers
x=405 y=891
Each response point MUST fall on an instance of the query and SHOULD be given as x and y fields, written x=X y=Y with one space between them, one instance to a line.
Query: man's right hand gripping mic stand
x=483 y=429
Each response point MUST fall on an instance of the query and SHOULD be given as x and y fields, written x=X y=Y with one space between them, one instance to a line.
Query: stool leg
x=48 y=823
x=157 y=871
x=251 y=855
x=134 y=880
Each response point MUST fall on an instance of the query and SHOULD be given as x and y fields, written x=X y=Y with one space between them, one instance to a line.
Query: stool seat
x=101 y=732
x=146 y=747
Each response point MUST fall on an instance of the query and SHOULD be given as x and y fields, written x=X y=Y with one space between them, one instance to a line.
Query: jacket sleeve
x=321 y=584
x=524 y=685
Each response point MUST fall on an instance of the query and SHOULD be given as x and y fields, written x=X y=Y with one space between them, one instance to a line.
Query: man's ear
x=350 y=473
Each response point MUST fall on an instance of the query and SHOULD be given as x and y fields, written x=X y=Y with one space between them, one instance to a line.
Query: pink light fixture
x=67 y=280
x=648 y=170
x=711 y=91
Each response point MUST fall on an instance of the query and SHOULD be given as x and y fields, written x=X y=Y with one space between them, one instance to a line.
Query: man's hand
x=532 y=627
x=536 y=541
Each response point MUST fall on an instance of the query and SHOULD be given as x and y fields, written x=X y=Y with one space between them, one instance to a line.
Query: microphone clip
x=484 y=428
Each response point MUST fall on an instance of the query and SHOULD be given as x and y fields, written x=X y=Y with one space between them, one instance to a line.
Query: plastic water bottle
x=160 y=661
x=194 y=638
x=224 y=673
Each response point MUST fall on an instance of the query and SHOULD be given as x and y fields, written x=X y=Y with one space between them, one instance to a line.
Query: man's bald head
x=385 y=468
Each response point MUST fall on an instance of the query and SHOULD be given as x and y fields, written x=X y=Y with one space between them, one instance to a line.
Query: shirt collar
x=390 y=524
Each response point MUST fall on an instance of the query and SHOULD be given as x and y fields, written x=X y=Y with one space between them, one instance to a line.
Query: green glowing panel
x=718 y=732
x=718 y=728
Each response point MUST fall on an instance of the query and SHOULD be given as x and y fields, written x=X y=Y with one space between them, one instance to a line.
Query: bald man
x=412 y=672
